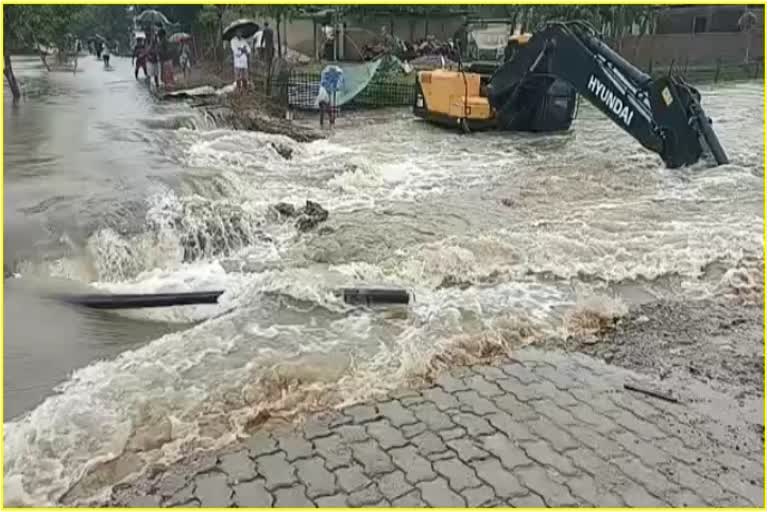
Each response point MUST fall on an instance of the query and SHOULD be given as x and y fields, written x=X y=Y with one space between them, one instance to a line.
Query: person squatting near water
x=241 y=50
x=331 y=81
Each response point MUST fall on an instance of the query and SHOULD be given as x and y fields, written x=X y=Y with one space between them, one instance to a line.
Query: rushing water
x=496 y=235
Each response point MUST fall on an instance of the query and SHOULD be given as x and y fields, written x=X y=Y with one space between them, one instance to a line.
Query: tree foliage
x=211 y=19
x=185 y=15
x=26 y=26
x=114 y=22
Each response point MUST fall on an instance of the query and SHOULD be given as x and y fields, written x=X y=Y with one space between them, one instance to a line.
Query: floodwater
x=495 y=234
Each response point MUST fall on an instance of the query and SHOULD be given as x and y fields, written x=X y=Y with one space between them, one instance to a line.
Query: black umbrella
x=248 y=28
x=178 y=37
x=152 y=17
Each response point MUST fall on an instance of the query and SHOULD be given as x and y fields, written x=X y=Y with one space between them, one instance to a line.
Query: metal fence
x=718 y=72
x=300 y=89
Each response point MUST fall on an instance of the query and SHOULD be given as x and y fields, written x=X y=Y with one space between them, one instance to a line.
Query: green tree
x=281 y=14
x=211 y=20
x=114 y=22
x=186 y=16
x=33 y=26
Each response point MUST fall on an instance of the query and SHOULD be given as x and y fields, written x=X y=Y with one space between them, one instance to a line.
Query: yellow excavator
x=452 y=98
x=535 y=90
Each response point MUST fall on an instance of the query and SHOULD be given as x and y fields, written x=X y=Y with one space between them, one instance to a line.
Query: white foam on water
x=324 y=148
x=239 y=150
x=282 y=341
x=203 y=378
x=184 y=376
x=176 y=231
x=193 y=277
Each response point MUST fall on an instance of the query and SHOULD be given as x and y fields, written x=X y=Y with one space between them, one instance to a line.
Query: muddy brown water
x=496 y=234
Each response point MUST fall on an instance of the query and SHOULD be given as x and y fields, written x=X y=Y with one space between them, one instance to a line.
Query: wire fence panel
x=302 y=90
x=386 y=94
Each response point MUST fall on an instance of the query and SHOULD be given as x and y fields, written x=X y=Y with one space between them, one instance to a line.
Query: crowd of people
x=155 y=56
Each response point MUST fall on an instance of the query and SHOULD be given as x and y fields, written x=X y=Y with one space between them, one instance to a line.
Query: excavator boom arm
x=664 y=115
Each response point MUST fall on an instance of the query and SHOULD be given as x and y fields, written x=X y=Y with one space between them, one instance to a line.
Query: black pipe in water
x=140 y=300
x=356 y=296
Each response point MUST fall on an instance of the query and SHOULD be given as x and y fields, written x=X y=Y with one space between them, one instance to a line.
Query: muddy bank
x=254 y=112
x=716 y=343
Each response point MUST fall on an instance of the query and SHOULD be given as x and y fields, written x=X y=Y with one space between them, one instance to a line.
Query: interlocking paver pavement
x=547 y=428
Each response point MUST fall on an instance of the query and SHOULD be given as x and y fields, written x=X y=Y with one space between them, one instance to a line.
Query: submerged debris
x=310 y=216
x=285 y=209
x=307 y=217
x=451 y=281
x=650 y=392
x=282 y=150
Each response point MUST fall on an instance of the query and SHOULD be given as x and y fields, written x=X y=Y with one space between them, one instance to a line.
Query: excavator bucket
x=685 y=129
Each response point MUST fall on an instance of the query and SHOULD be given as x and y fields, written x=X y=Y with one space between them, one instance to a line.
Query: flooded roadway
x=496 y=234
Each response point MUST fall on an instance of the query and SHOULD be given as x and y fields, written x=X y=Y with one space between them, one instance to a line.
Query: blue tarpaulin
x=332 y=78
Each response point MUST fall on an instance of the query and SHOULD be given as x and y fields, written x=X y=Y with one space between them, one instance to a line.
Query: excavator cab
x=459 y=97
x=454 y=99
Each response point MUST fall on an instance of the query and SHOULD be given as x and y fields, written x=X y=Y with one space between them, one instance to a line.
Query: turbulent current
x=498 y=236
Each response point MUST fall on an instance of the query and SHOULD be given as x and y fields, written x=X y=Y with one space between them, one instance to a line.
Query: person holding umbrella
x=238 y=34
x=241 y=50
x=185 y=54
